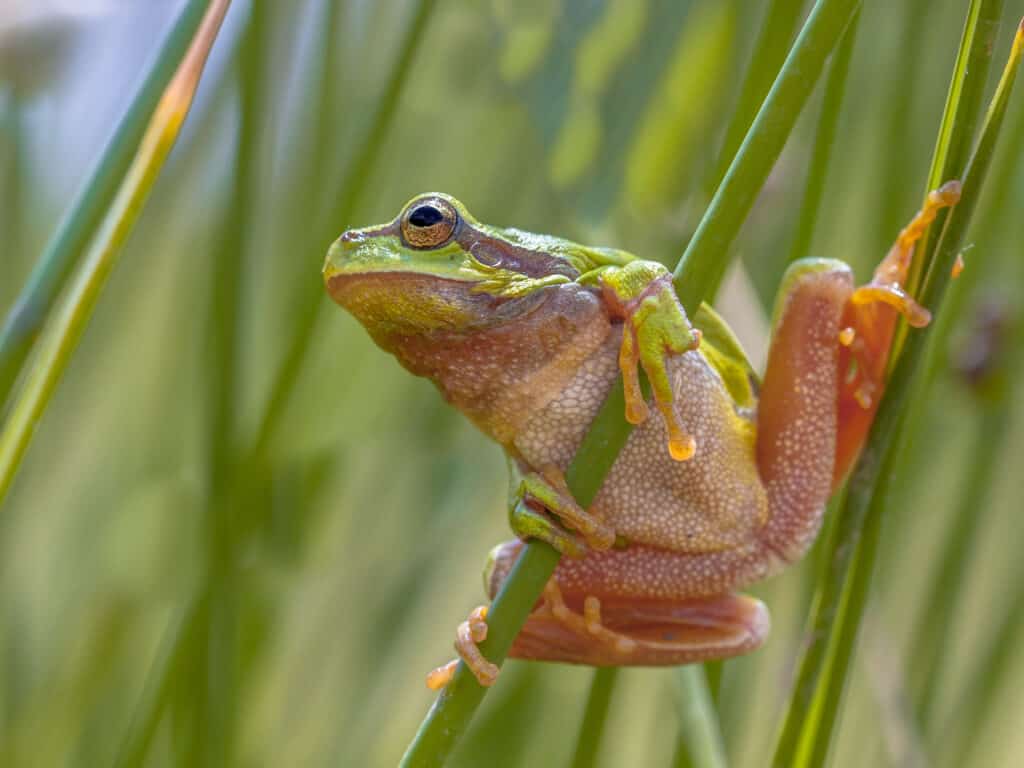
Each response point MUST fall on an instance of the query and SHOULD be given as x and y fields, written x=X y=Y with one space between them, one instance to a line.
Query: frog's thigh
x=797 y=420
x=675 y=608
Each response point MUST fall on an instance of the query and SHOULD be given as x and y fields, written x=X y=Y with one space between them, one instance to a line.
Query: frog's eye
x=429 y=223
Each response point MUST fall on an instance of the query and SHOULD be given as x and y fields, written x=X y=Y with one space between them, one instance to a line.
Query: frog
x=724 y=478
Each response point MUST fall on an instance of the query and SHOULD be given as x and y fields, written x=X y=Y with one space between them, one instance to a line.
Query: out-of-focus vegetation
x=243 y=525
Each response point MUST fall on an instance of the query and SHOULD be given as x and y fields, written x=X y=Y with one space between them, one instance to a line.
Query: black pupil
x=425 y=216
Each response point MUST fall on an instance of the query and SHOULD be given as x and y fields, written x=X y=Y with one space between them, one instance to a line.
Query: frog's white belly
x=713 y=501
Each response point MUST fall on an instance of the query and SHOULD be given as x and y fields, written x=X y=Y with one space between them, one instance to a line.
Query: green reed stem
x=821 y=155
x=700 y=739
x=91 y=204
x=857 y=537
x=592 y=728
x=66 y=325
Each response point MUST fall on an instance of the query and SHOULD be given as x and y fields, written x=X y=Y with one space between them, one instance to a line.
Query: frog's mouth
x=409 y=303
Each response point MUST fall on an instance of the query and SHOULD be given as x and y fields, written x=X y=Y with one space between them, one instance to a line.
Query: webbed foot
x=867 y=333
x=888 y=283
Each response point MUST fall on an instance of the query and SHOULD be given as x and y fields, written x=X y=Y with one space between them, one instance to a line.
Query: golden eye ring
x=429 y=222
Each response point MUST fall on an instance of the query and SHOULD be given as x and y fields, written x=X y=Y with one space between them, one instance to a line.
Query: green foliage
x=242 y=535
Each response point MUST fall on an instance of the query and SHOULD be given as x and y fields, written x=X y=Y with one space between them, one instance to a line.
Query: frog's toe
x=661 y=331
x=654 y=359
x=440 y=677
x=468 y=636
x=470 y=633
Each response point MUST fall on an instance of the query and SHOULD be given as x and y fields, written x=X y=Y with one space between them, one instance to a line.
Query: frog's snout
x=350 y=238
x=339 y=252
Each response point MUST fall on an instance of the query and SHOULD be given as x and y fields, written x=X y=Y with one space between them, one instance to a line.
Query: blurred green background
x=245 y=531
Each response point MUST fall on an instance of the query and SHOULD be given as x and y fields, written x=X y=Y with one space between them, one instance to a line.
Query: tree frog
x=725 y=477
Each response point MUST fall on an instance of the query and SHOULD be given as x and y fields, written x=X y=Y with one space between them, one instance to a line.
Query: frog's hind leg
x=824 y=377
x=635 y=632
x=797 y=419
x=638 y=606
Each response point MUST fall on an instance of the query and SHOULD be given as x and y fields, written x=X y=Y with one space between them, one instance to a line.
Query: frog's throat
x=502 y=374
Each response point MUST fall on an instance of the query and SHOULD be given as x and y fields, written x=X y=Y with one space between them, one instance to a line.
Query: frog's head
x=436 y=268
x=495 y=317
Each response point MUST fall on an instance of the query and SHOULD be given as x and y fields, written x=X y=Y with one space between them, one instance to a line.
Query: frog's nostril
x=351 y=236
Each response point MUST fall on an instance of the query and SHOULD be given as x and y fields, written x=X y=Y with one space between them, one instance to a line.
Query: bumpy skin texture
x=527 y=334
x=748 y=502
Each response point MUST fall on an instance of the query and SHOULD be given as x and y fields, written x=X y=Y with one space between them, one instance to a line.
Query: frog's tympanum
x=724 y=480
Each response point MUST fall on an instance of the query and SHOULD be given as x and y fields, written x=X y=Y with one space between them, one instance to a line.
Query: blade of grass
x=66 y=325
x=168 y=667
x=898 y=142
x=697 y=276
x=779 y=23
x=950 y=565
x=821 y=155
x=857 y=535
x=985 y=681
x=932 y=634
x=826 y=607
x=594 y=717
x=960 y=117
x=215 y=682
x=91 y=204
x=702 y=267
x=700 y=740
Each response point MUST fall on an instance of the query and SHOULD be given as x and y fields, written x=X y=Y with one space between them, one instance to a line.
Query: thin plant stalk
x=168 y=667
x=826 y=605
x=29 y=311
x=66 y=326
x=856 y=539
x=216 y=682
x=592 y=728
x=697 y=275
x=701 y=268
x=984 y=683
x=960 y=116
x=700 y=740
x=778 y=25
x=821 y=154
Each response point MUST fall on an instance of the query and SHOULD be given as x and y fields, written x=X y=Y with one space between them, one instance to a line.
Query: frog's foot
x=867 y=328
x=586 y=624
x=887 y=285
x=656 y=327
x=470 y=633
x=547 y=490
x=626 y=632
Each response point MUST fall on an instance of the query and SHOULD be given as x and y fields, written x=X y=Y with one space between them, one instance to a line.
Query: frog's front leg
x=656 y=327
x=535 y=496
